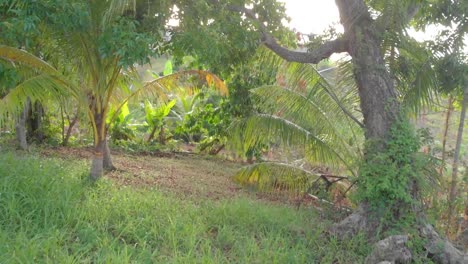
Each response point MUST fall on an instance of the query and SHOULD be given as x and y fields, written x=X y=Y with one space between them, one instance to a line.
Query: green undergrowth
x=49 y=213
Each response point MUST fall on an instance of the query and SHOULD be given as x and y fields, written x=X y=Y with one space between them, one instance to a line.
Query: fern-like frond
x=273 y=177
x=23 y=58
x=266 y=128
x=42 y=88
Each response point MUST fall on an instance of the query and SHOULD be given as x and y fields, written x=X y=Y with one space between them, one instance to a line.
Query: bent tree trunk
x=71 y=124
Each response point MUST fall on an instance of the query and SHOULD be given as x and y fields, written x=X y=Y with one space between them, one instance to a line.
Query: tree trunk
x=362 y=39
x=34 y=120
x=446 y=129
x=72 y=123
x=97 y=166
x=107 y=159
x=456 y=157
x=377 y=93
x=153 y=132
x=162 y=136
x=21 y=133
x=379 y=103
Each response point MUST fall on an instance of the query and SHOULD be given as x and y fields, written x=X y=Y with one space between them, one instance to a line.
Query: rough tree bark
x=20 y=126
x=107 y=159
x=97 y=165
x=362 y=40
x=34 y=122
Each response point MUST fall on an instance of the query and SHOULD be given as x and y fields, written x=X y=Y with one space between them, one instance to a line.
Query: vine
x=391 y=177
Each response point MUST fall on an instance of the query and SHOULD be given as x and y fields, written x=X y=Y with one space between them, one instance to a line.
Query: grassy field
x=153 y=210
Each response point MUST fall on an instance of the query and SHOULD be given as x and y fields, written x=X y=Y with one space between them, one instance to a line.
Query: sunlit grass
x=49 y=213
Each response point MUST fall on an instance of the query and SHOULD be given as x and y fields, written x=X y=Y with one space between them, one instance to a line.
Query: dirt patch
x=185 y=174
x=188 y=176
x=181 y=173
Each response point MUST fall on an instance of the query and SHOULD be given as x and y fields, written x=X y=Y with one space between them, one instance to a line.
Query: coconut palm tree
x=304 y=114
x=50 y=83
x=319 y=116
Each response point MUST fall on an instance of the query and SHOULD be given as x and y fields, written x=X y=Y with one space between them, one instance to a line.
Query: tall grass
x=50 y=214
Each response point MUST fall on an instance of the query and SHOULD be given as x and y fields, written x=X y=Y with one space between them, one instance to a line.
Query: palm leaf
x=23 y=58
x=271 y=177
x=274 y=177
x=41 y=88
x=416 y=78
x=266 y=129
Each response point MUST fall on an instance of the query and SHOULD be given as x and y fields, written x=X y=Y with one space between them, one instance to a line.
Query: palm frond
x=416 y=78
x=41 y=88
x=304 y=114
x=18 y=56
x=265 y=129
x=297 y=108
x=114 y=8
x=273 y=177
x=268 y=176
x=184 y=80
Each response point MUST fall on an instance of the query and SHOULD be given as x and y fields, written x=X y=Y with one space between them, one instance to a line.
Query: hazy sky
x=314 y=16
x=311 y=16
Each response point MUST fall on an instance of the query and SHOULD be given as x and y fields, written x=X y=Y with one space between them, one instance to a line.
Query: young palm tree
x=303 y=114
x=49 y=83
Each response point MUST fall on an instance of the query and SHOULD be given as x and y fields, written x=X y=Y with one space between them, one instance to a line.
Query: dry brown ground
x=184 y=174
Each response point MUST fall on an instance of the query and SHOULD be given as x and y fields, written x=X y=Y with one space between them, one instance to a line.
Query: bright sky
x=311 y=16
x=315 y=16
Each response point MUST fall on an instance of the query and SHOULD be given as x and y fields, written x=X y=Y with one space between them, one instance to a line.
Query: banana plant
x=120 y=128
x=155 y=118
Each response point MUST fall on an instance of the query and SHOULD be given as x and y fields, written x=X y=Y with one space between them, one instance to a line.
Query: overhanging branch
x=314 y=56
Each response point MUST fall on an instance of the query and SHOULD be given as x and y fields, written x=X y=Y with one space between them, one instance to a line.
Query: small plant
x=120 y=129
x=155 y=118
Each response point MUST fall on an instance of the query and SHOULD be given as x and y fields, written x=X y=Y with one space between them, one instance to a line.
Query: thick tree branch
x=315 y=56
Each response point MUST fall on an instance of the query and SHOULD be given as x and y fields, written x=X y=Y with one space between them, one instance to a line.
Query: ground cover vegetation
x=230 y=81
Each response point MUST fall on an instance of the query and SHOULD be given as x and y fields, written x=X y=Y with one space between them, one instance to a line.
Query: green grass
x=49 y=213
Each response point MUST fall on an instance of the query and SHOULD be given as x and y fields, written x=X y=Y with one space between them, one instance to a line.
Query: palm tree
x=304 y=107
x=51 y=83
x=301 y=113
x=102 y=44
